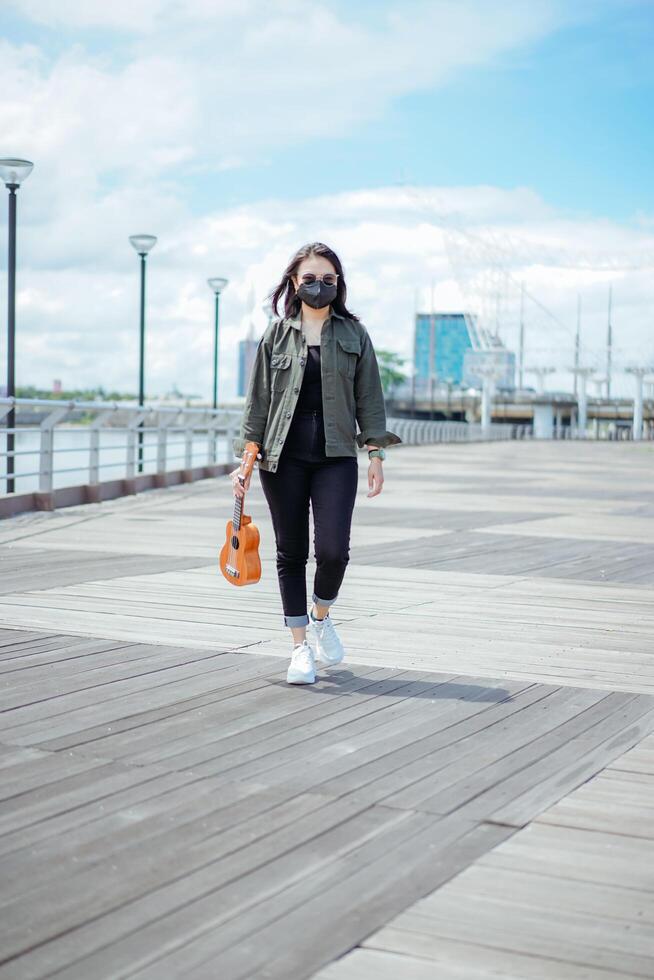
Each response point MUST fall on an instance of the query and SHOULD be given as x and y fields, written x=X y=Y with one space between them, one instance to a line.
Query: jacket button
x=302 y=361
x=288 y=415
x=295 y=390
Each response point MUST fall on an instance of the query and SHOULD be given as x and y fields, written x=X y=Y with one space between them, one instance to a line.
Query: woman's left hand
x=375 y=476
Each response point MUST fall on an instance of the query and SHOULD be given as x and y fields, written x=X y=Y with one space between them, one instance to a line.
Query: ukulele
x=239 y=557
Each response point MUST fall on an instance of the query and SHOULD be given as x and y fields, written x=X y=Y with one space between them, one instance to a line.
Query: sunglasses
x=329 y=278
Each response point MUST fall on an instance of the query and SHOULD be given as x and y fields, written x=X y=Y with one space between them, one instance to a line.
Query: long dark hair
x=292 y=302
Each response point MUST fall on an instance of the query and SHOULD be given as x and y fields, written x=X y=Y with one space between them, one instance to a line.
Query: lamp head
x=217 y=284
x=13 y=171
x=142 y=243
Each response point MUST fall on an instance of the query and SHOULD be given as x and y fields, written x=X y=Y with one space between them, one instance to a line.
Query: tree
x=390 y=370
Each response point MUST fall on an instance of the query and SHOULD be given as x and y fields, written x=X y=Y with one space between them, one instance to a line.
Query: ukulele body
x=239 y=557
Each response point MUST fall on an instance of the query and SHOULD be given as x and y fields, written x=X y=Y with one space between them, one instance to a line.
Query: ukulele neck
x=238 y=513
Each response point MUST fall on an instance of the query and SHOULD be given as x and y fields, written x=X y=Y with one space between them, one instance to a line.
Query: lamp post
x=13 y=172
x=217 y=285
x=142 y=244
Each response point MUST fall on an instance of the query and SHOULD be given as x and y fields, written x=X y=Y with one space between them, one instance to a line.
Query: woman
x=315 y=375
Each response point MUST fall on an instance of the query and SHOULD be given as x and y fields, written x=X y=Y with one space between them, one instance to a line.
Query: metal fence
x=415 y=432
x=60 y=444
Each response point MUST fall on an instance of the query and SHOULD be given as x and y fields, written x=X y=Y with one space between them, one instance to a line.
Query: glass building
x=440 y=343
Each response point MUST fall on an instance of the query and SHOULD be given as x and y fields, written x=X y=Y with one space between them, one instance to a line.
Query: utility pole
x=415 y=363
x=432 y=353
x=521 y=353
x=541 y=373
x=577 y=344
x=582 y=410
x=609 y=347
x=432 y=334
x=490 y=373
x=638 y=373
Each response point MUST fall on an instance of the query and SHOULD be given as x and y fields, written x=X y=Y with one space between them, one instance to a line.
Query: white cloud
x=81 y=322
x=200 y=85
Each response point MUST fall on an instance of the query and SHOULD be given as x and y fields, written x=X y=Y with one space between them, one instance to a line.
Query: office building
x=441 y=340
x=444 y=349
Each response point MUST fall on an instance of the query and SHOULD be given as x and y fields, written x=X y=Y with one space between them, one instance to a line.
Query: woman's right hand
x=238 y=487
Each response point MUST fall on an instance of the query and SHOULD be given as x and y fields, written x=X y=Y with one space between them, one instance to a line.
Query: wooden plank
x=504 y=924
x=608 y=802
x=449 y=845
x=447 y=957
x=187 y=883
x=26 y=568
x=174 y=808
x=69 y=713
x=550 y=765
x=466 y=759
x=582 y=855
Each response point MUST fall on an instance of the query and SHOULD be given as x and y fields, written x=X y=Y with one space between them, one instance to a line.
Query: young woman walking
x=315 y=376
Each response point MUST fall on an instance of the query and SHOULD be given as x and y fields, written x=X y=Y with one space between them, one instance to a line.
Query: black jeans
x=305 y=475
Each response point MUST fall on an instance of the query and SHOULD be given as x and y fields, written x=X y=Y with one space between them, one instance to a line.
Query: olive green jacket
x=351 y=389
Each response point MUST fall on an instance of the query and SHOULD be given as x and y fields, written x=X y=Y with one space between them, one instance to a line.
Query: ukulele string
x=236 y=520
x=236 y=525
x=232 y=550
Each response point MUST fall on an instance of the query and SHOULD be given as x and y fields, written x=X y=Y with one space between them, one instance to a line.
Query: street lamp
x=217 y=285
x=142 y=244
x=13 y=173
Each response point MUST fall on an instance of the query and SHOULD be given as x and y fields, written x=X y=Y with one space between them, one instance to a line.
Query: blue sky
x=571 y=115
x=237 y=130
x=568 y=113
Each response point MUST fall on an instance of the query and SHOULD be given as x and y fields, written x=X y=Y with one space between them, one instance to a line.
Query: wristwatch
x=376 y=452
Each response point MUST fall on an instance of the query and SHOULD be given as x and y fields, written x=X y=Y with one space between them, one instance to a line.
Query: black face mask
x=317 y=295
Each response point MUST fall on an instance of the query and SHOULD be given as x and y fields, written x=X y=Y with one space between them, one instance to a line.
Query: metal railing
x=60 y=444
x=103 y=436
x=415 y=432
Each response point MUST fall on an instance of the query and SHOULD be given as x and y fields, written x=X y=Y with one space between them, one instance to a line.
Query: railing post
x=94 y=445
x=46 y=463
x=130 y=457
x=163 y=424
x=162 y=434
x=188 y=448
x=212 y=436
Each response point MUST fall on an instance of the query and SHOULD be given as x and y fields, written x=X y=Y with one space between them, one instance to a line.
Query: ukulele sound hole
x=234 y=541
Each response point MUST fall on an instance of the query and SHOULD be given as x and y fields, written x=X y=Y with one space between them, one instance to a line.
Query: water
x=71 y=455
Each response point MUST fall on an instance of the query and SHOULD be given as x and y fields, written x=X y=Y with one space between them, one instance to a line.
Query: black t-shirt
x=306 y=435
x=310 y=396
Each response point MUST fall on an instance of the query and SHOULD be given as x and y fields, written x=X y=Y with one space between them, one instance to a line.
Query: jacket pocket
x=347 y=353
x=280 y=372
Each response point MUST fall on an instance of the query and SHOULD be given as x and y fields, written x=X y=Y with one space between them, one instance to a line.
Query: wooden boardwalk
x=470 y=795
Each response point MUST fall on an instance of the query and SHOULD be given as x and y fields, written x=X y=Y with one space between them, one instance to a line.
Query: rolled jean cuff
x=296 y=620
x=323 y=602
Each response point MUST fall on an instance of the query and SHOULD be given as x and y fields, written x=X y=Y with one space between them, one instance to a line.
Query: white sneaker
x=323 y=637
x=302 y=668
